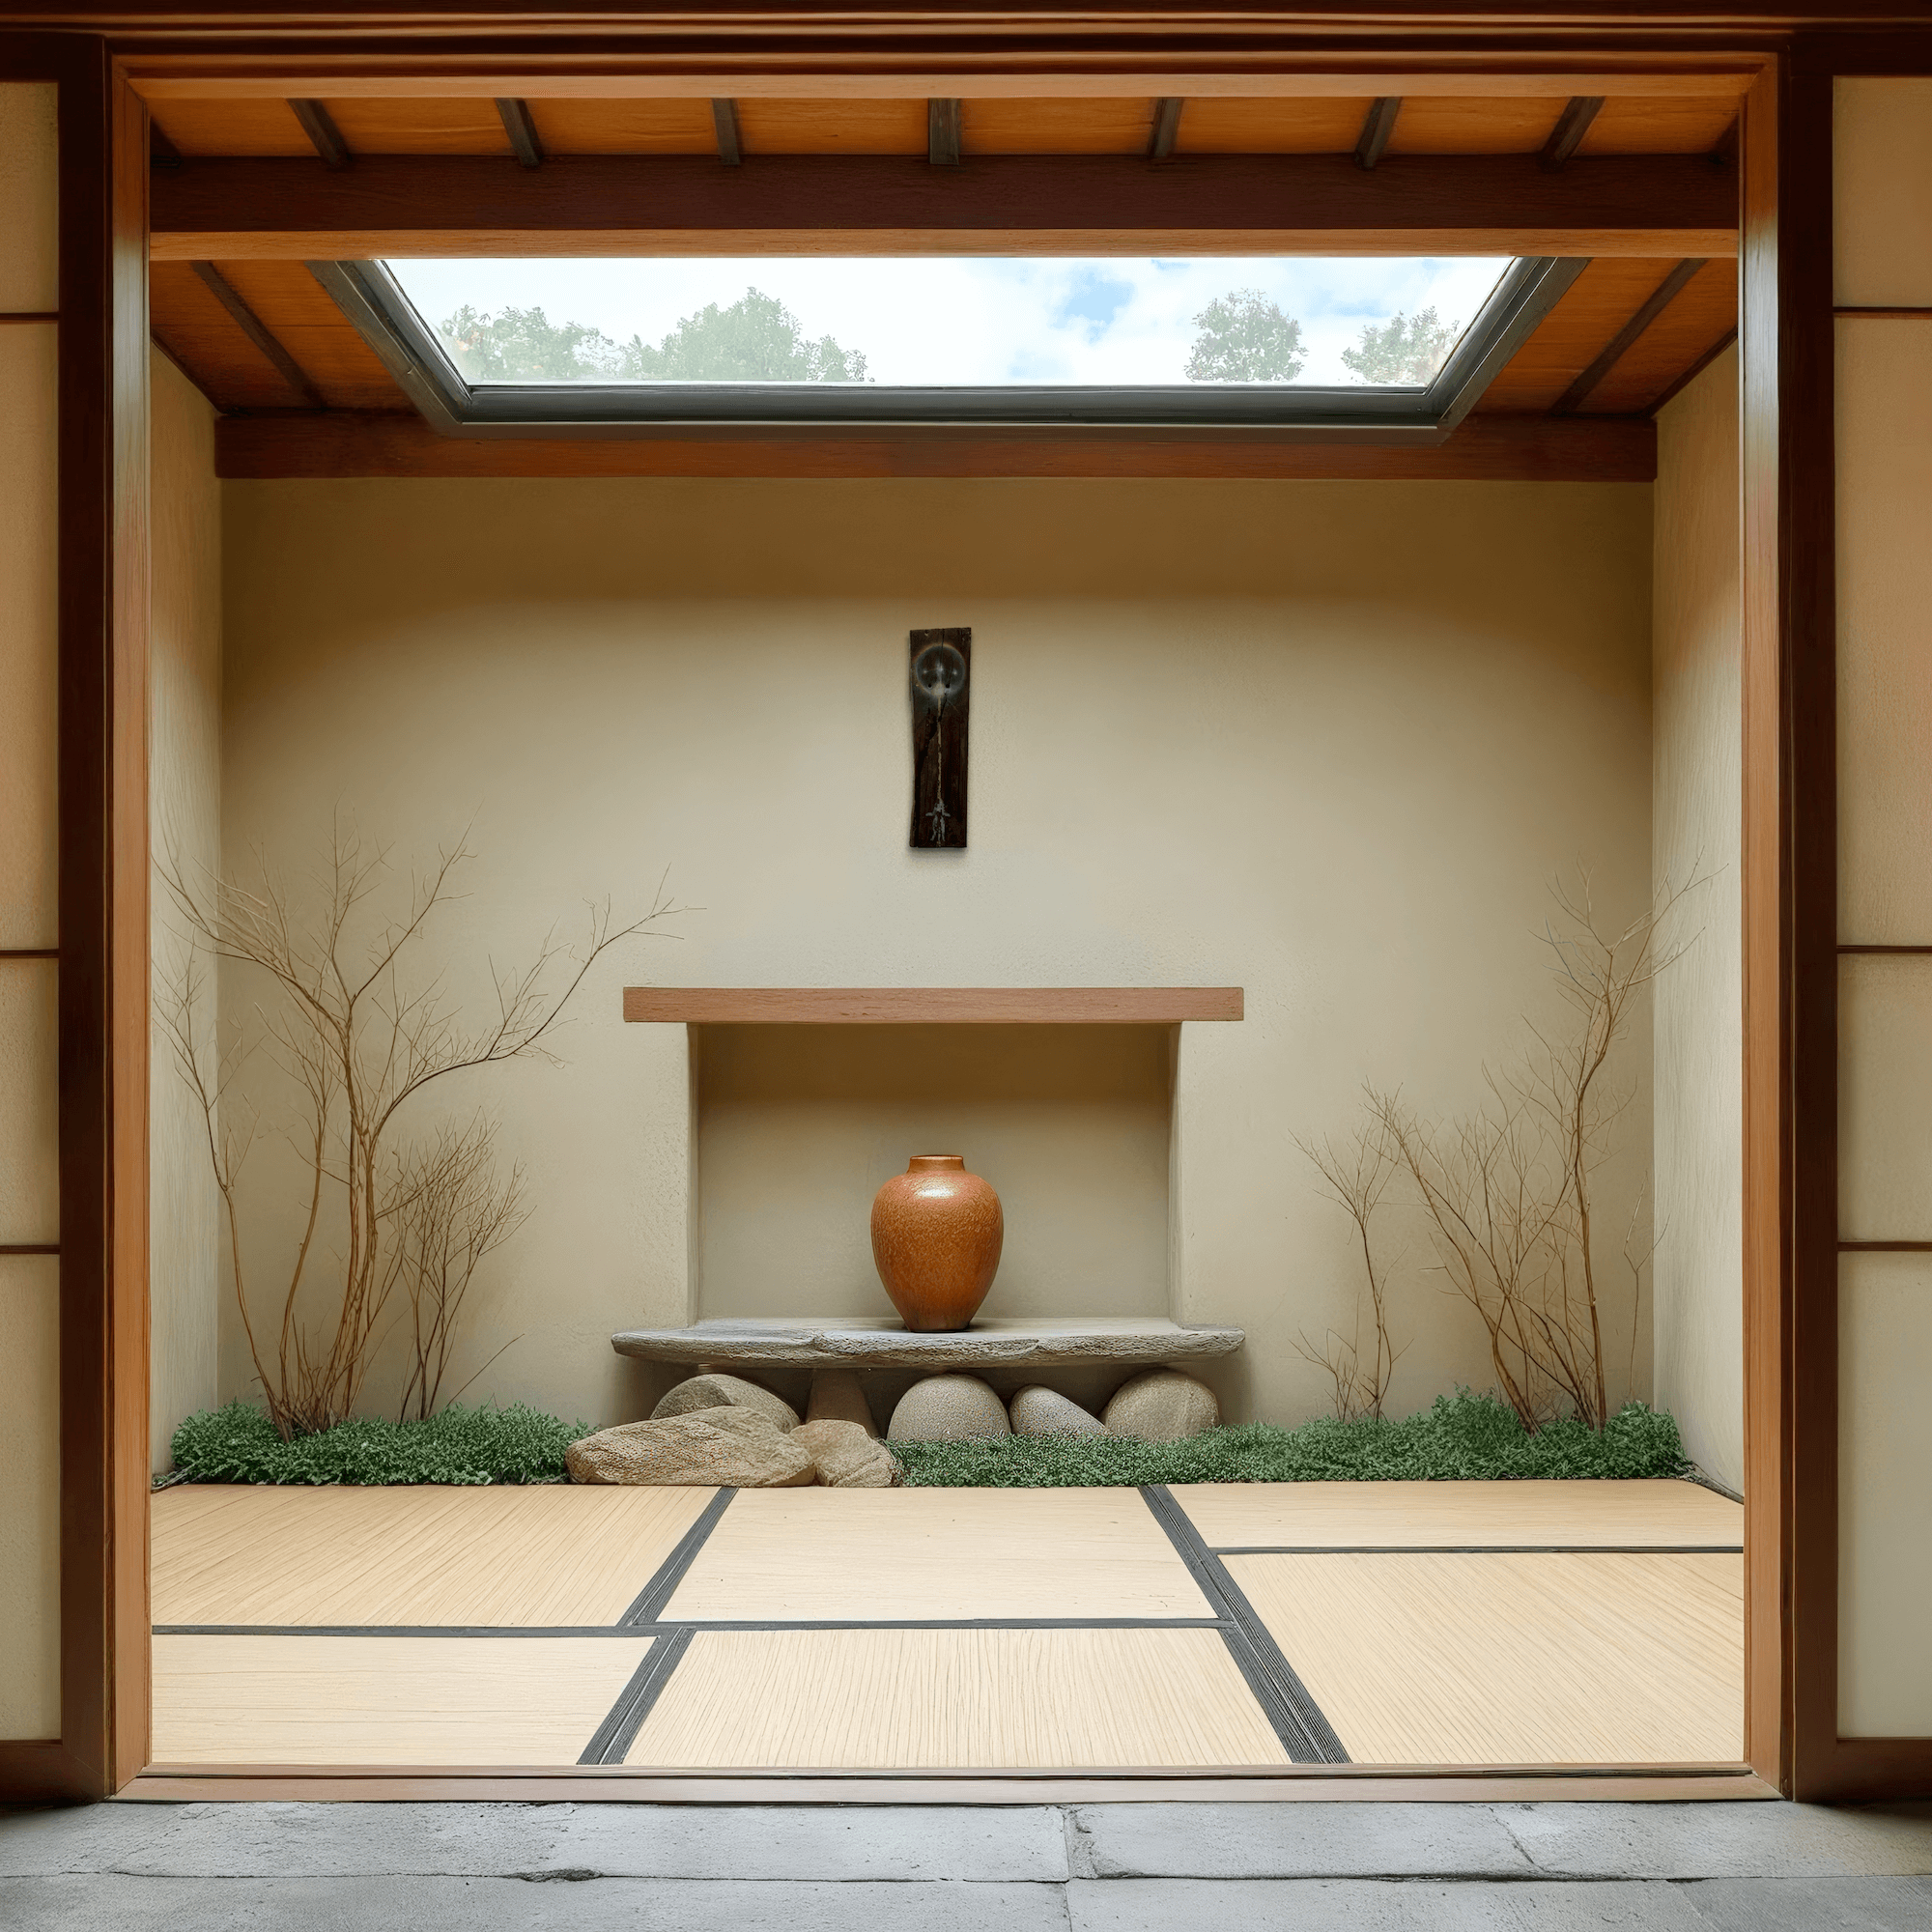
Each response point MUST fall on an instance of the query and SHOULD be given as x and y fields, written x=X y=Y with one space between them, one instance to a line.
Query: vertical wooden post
x=104 y=920
x=1790 y=965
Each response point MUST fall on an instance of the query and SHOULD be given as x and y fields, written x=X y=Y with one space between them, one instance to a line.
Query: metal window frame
x=374 y=302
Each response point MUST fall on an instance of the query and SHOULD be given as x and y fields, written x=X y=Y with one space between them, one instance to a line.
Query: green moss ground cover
x=1472 y=1438
x=239 y=1445
x=1462 y=1436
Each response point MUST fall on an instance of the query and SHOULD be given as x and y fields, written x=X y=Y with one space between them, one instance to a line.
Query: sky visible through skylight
x=944 y=320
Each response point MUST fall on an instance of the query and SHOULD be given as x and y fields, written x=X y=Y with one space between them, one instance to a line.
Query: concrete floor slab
x=1294 y=1841
x=513 y=1905
x=1367 y=1905
x=1692 y=1841
x=1813 y=1904
x=983 y=1845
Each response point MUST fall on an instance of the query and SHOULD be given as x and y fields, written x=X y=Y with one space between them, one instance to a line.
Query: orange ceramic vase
x=936 y=1237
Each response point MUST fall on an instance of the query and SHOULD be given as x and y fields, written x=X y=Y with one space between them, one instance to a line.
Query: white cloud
x=970 y=319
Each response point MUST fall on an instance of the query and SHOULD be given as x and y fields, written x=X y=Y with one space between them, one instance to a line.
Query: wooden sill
x=174 y=1785
x=932 y=1006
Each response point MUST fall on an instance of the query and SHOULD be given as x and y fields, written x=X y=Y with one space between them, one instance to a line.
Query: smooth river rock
x=727 y=1447
x=948 y=1408
x=837 y=1395
x=847 y=1457
x=715 y=1391
x=1046 y=1411
x=1162 y=1406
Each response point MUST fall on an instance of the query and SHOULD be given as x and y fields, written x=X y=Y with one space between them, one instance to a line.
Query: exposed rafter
x=221 y=210
x=522 y=130
x=731 y=141
x=258 y=332
x=942 y=133
x=1376 y=126
x=1668 y=290
x=1166 y=125
x=325 y=136
x=1572 y=124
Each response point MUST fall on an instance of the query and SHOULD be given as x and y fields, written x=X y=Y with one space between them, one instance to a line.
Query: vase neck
x=936 y=1163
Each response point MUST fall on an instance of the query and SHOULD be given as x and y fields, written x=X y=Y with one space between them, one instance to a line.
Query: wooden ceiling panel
x=208 y=342
x=1248 y=125
x=1118 y=127
x=1576 y=331
x=1704 y=313
x=1449 y=126
x=625 y=126
x=419 y=127
x=1659 y=127
x=832 y=127
x=231 y=126
x=299 y=312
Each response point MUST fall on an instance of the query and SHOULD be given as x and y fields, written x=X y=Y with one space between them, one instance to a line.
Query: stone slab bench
x=884 y=1342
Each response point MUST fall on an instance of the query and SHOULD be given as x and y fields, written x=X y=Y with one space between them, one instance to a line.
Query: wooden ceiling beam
x=1572 y=124
x=1576 y=449
x=259 y=333
x=325 y=136
x=522 y=130
x=1166 y=125
x=942 y=132
x=1229 y=204
x=1378 y=124
x=668 y=75
x=1667 y=290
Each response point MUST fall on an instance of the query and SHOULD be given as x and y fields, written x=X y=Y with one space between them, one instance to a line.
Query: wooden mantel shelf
x=933 y=1006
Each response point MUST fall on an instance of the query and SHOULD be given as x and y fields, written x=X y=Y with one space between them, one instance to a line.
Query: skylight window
x=1396 y=346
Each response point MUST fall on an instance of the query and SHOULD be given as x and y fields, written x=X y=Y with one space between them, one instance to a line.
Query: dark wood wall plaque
x=940 y=684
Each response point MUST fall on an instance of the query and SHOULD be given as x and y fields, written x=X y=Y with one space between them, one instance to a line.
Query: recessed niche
x=799 y=1126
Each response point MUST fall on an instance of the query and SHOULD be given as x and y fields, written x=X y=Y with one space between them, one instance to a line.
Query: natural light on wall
x=926 y=322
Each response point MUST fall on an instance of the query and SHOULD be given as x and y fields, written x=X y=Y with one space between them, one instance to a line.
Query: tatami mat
x=1624 y=1514
x=545 y=1554
x=917 y=1700
x=886 y=1555
x=394 y=1700
x=1514 y=1660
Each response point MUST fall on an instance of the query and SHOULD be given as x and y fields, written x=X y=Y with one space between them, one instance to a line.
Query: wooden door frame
x=1790 y=966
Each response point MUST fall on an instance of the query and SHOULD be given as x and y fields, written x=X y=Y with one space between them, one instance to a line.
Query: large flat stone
x=879 y=1342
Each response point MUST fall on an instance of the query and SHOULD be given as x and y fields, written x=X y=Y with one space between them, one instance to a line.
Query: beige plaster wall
x=1884 y=185
x=184 y=791
x=1697 y=802
x=798 y=1125
x=29 y=1094
x=1326 y=741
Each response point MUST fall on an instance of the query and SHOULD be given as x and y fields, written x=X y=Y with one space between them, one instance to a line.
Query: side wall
x=1697 y=744
x=1326 y=741
x=30 y=1704
x=184 y=1243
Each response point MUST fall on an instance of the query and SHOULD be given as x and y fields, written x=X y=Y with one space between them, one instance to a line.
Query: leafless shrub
x=1508 y=1190
x=1355 y=1176
x=455 y=1209
x=362 y=1030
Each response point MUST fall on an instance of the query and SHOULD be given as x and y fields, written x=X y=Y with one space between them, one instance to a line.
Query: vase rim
x=927 y=1164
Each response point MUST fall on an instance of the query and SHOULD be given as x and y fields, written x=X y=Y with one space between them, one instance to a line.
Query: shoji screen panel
x=1884 y=294
x=29 y=939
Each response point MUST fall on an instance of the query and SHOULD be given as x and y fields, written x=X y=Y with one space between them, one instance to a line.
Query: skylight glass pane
x=954 y=321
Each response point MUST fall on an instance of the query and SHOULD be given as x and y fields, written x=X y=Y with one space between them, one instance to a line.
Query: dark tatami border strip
x=1480 y=1550
x=1300 y=1722
x=694 y=1629
x=657 y=1593
x=618 y=1732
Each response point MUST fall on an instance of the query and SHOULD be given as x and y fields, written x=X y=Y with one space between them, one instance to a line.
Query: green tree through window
x=1407 y=350
x=1245 y=338
x=755 y=339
